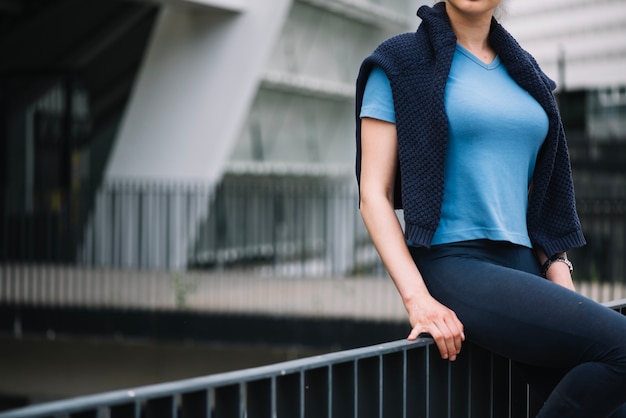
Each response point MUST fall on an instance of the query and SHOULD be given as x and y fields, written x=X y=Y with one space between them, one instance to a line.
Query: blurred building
x=125 y=123
x=582 y=46
x=580 y=43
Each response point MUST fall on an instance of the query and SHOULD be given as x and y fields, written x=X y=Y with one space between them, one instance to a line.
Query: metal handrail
x=396 y=379
x=139 y=395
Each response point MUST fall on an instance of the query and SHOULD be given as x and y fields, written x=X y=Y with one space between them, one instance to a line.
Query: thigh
x=519 y=314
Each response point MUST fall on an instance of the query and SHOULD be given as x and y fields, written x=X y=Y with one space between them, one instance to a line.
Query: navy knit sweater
x=417 y=65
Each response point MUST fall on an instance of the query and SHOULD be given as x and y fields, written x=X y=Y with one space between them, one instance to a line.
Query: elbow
x=374 y=202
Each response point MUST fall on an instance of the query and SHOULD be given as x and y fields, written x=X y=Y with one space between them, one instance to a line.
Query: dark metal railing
x=398 y=379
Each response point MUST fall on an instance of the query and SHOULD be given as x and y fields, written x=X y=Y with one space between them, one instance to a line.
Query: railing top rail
x=138 y=394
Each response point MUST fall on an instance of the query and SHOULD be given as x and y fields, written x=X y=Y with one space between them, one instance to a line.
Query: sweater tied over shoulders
x=417 y=65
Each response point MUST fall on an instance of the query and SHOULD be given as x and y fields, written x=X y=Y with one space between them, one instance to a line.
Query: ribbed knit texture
x=417 y=65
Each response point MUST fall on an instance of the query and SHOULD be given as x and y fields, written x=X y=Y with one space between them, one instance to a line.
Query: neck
x=472 y=31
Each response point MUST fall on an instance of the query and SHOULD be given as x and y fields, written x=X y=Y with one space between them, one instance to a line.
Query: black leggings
x=571 y=349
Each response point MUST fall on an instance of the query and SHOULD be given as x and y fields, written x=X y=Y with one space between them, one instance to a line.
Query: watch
x=549 y=261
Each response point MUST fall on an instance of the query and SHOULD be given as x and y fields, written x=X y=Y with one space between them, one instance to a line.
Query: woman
x=457 y=125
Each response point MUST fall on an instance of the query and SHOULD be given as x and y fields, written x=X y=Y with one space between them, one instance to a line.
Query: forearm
x=426 y=314
x=386 y=233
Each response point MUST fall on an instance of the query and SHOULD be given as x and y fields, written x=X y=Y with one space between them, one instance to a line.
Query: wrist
x=415 y=299
x=561 y=259
x=559 y=274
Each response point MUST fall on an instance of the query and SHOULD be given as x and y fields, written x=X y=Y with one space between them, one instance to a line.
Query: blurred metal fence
x=292 y=225
x=399 y=379
x=286 y=225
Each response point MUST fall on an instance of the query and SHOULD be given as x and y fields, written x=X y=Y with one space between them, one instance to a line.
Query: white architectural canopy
x=194 y=89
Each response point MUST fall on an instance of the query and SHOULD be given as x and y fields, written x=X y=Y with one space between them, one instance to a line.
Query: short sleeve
x=377 y=97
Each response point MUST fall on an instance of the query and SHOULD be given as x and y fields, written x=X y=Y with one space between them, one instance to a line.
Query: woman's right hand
x=427 y=315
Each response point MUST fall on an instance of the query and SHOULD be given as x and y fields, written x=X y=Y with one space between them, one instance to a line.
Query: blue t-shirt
x=495 y=132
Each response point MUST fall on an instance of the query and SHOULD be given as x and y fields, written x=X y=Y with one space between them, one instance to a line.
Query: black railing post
x=65 y=232
x=4 y=156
